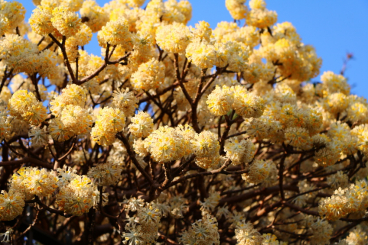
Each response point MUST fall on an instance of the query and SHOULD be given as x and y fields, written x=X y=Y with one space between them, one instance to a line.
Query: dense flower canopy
x=174 y=134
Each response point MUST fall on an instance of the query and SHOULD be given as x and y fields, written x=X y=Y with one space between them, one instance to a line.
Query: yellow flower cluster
x=33 y=181
x=65 y=21
x=261 y=171
x=237 y=8
x=246 y=234
x=11 y=205
x=11 y=15
x=173 y=38
x=247 y=105
x=71 y=95
x=206 y=148
x=259 y=16
x=93 y=15
x=23 y=56
x=56 y=18
x=168 y=144
x=202 y=31
x=353 y=199
x=203 y=231
x=72 y=5
x=142 y=227
x=24 y=105
x=105 y=174
x=150 y=75
x=18 y=53
x=293 y=59
x=125 y=101
x=142 y=125
x=116 y=33
x=109 y=122
x=220 y=100
x=76 y=197
x=76 y=119
x=320 y=229
x=39 y=136
x=298 y=137
x=240 y=151
x=201 y=53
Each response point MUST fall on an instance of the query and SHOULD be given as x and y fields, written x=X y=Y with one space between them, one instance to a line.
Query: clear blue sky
x=333 y=27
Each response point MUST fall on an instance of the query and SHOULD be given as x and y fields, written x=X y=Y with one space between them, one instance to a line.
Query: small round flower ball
x=207 y=162
x=76 y=198
x=72 y=5
x=335 y=103
x=109 y=122
x=142 y=125
x=39 y=136
x=220 y=100
x=257 y=4
x=40 y=20
x=258 y=171
x=93 y=15
x=71 y=95
x=150 y=75
x=202 y=54
x=247 y=104
x=165 y=144
x=24 y=105
x=125 y=101
x=335 y=83
x=116 y=33
x=236 y=8
x=58 y=131
x=202 y=31
x=173 y=38
x=18 y=53
x=185 y=8
x=105 y=174
x=206 y=144
x=298 y=137
x=12 y=15
x=11 y=205
x=240 y=151
x=76 y=119
x=81 y=38
x=65 y=21
x=40 y=182
x=261 y=18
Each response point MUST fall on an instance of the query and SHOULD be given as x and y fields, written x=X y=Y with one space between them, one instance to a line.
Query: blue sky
x=333 y=27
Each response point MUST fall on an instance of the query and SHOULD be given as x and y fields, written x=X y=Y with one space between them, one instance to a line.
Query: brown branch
x=178 y=77
x=48 y=46
x=51 y=210
x=306 y=211
x=65 y=223
x=30 y=226
x=102 y=67
x=281 y=177
x=216 y=171
x=66 y=60
x=254 y=193
x=68 y=152
x=25 y=160
x=237 y=134
x=166 y=239
x=132 y=157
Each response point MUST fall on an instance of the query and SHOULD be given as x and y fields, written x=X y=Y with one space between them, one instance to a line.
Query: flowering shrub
x=176 y=134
